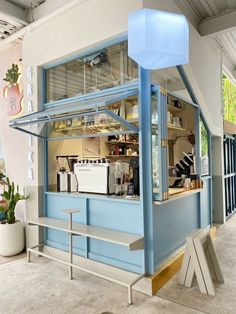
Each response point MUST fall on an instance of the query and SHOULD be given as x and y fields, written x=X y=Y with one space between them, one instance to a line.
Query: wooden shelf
x=122 y=156
x=121 y=142
x=94 y=126
x=173 y=127
x=108 y=126
x=132 y=241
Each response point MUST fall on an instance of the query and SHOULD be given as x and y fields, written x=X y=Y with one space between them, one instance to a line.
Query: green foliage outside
x=204 y=140
x=229 y=98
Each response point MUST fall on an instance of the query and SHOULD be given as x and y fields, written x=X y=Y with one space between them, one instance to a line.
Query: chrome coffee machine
x=67 y=181
x=100 y=176
x=121 y=170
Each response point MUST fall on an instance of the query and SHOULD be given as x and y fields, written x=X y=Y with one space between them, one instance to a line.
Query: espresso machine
x=66 y=181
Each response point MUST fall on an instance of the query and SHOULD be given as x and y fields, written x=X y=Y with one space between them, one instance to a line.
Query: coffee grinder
x=118 y=178
x=134 y=164
x=67 y=181
x=62 y=185
x=72 y=183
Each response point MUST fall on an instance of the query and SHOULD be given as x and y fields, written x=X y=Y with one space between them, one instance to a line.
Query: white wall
x=84 y=26
x=14 y=144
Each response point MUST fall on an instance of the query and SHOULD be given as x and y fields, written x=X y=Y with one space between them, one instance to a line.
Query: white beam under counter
x=112 y=198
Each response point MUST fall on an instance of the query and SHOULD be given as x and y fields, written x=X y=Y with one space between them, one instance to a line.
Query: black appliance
x=134 y=164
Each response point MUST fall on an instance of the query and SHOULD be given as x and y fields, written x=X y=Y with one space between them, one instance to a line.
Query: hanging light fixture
x=158 y=39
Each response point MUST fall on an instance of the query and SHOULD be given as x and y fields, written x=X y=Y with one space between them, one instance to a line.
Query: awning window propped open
x=84 y=117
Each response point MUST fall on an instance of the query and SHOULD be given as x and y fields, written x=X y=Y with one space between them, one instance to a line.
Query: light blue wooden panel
x=173 y=221
x=205 y=203
x=126 y=216
x=55 y=204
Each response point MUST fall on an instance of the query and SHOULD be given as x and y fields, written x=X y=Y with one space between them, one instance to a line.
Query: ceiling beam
x=48 y=7
x=218 y=24
x=13 y=12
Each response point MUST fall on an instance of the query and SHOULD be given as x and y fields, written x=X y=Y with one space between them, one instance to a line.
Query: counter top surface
x=177 y=194
x=135 y=199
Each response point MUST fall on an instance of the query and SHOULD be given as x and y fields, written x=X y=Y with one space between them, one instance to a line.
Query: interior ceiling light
x=158 y=39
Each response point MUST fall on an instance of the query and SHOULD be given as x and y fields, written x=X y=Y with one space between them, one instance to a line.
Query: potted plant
x=12 y=240
x=12 y=91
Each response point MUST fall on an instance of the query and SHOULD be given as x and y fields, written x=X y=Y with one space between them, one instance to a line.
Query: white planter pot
x=12 y=238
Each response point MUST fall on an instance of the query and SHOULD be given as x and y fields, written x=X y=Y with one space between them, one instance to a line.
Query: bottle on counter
x=187 y=184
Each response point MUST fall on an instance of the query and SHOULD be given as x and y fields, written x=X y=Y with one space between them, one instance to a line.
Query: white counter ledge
x=174 y=195
x=113 y=198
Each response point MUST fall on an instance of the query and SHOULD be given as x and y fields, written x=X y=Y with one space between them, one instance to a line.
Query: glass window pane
x=155 y=148
x=87 y=123
x=103 y=69
x=204 y=149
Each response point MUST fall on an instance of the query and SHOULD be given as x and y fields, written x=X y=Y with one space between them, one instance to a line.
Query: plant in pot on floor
x=12 y=239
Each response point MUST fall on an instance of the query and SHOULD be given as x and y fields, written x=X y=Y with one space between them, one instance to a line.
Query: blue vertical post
x=145 y=113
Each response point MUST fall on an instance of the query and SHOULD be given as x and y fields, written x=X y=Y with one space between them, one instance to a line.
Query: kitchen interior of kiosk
x=96 y=148
x=181 y=129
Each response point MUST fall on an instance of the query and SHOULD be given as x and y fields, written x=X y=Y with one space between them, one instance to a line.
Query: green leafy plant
x=229 y=98
x=12 y=75
x=11 y=197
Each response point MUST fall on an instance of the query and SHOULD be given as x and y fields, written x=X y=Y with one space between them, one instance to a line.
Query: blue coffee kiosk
x=104 y=108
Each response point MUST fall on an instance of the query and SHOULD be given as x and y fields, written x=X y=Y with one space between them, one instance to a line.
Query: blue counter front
x=110 y=212
x=175 y=218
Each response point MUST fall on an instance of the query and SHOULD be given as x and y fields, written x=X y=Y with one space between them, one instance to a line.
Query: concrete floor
x=4 y=260
x=42 y=286
x=225 y=299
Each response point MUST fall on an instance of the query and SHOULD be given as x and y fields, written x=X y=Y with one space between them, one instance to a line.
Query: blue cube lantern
x=158 y=39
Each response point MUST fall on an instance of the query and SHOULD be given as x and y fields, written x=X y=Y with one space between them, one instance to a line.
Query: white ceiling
x=15 y=14
x=26 y=4
x=216 y=20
